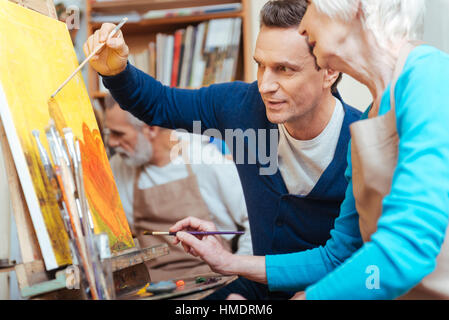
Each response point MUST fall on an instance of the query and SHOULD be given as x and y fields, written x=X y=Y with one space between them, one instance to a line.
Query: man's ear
x=150 y=132
x=330 y=76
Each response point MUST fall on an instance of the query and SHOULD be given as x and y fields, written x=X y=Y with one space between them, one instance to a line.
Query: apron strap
x=137 y=176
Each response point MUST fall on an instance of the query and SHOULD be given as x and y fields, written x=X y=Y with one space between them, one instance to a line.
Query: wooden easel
x=34 y=281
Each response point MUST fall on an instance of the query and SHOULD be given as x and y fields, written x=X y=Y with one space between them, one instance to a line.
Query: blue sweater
x=279 y=222
x=414 y=214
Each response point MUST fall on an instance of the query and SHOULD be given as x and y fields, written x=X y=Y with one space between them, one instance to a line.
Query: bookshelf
x=139 y=32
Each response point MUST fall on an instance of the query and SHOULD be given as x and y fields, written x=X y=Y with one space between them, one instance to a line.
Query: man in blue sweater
x=293 y=192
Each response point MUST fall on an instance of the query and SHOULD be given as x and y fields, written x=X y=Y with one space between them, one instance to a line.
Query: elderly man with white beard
x=159 y=185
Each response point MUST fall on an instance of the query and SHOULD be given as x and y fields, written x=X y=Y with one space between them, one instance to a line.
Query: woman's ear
x=330 y=77
x=357 y=12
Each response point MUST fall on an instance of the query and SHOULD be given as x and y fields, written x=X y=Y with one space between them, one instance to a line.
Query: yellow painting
x=36 y=56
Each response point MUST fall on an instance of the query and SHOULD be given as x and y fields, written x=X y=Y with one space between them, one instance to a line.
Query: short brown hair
x=283 y=13
x=287 y=14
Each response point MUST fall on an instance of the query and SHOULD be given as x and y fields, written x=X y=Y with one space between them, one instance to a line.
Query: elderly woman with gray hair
x=389 y=239
x=398 y=194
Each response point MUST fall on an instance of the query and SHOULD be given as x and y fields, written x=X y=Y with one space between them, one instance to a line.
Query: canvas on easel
x=36 y=55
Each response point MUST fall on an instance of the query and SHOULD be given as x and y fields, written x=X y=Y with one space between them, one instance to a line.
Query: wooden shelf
x=130 y=26
x=139 y=34
x=154 y=4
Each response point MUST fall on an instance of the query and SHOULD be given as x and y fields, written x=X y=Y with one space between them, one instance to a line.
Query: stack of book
x=193 y=57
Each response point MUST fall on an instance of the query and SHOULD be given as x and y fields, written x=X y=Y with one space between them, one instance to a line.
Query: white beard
x=143 y=152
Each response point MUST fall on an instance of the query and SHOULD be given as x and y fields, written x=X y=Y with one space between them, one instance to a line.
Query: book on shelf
x=179 y=34
x=152 y=59
x=159 y=51
x=186 y=58
x=168 y=59
x=195 y=56
x=198 y=64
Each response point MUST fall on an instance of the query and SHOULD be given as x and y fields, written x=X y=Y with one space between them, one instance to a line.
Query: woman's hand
x=113 y=57
x=208 y=248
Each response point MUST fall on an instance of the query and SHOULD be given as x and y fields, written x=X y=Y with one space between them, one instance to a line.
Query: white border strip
x=27 y=184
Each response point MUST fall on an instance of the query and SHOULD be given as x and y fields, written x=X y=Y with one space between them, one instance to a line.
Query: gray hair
x=389 y=20
x=109 y=103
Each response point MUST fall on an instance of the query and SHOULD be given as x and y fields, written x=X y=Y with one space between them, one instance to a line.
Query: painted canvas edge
x=27 y=184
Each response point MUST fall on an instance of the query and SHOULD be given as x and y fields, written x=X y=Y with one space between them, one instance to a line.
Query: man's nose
x=113 y=142
x=268 y=83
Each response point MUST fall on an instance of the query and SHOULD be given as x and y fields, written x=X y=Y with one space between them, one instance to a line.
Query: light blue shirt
x=415 y=213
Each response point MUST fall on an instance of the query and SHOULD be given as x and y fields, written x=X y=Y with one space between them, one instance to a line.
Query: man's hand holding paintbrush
x=113 y=57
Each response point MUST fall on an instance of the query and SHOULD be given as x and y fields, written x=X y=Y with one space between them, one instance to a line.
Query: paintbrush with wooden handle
x=67 y=186
x=94 y=52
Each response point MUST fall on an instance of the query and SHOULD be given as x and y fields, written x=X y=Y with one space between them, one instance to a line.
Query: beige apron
x=157 y=209
x=374 y=154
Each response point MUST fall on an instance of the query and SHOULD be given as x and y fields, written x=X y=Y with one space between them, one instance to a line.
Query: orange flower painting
x=101 y=191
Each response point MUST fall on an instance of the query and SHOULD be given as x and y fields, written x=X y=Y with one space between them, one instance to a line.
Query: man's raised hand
x=113 y=57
